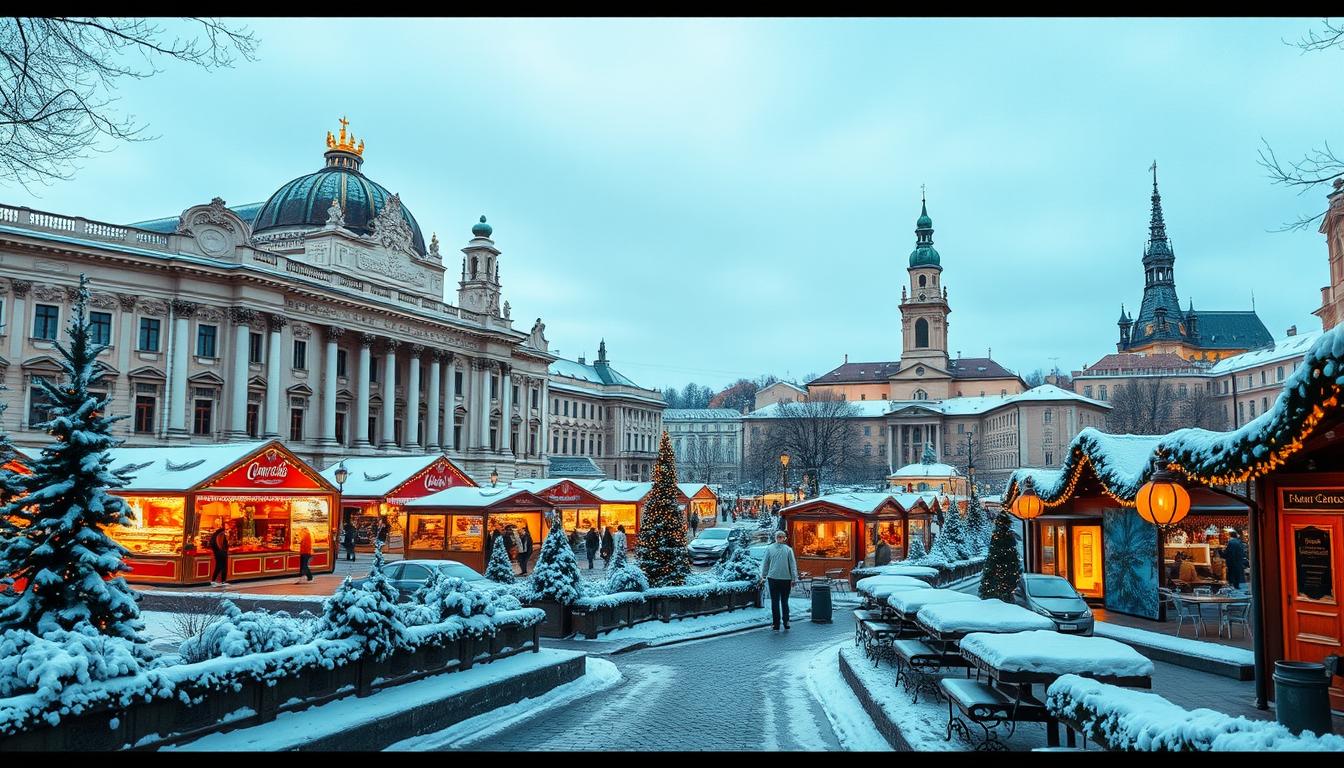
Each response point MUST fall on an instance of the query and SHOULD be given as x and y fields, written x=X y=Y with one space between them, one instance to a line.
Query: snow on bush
x=1130 y=720
x=367 y=611
x=46 y=664
x=915 y=549
x=499 y=570
x=556 y=575
x=625 y=575
x=239 y=633
x=740 y=566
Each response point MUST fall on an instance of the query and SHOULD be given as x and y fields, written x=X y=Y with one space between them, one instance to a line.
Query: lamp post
x=784 y=475
x=1163 y=501
x=342 y=474
x=1027 y=507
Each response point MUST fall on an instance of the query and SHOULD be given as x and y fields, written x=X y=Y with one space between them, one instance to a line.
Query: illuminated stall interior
x=841 y=530
x=377 y=487
x=456 y=523
x=702 y=501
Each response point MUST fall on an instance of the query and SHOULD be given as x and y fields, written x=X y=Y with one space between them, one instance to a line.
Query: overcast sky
x=725 y=198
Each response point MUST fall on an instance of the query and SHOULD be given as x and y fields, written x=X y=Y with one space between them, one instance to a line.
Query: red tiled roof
x=962 y=368
x=1128 y=361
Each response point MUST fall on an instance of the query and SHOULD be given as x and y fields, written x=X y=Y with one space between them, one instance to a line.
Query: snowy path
x=747 y=691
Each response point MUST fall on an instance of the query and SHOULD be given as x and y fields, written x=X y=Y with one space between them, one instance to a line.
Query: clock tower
x=924 y=310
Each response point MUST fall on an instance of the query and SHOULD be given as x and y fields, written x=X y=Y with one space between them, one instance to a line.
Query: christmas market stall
x=455 y=524
x=1090 y=531
x=702 y=502
x=579 y=508
x=266 y=499
x=841 y=530
x=622 y=503
x=376 y=488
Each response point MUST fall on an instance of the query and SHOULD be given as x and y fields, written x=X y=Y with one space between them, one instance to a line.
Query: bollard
x=821 y=601
x=1302 y=696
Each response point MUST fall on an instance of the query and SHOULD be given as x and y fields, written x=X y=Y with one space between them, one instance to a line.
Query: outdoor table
x=1222 y=601
x=879 y=588
x=906 y=603
x=1024 y=659
x=948 y=623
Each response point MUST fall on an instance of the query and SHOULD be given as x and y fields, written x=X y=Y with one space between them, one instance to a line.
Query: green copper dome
x=481 y=229
x=924 y=254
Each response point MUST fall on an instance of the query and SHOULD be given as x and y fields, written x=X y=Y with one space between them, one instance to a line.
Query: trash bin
x=1302 y=696
x=821 y=601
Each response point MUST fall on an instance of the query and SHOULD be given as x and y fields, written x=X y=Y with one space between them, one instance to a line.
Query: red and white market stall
x=260 y=493
x=377 y=487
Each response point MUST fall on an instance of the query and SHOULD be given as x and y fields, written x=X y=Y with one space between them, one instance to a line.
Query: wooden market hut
x=261 y=494
x=377 y=488
x=841 y=530
x=579 y=508
x=455 y=524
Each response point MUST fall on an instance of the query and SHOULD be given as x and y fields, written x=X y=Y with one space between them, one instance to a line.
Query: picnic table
x=1017 y=661
x=879 y=588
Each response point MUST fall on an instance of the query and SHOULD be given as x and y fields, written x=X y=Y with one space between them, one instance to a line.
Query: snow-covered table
x=879 y=588
x=1021 y=659
x=922 y=572
x=908 y=603
x=949 y=622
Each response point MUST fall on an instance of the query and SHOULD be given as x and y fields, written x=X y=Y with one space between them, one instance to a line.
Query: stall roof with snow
x=389 y=476
x=463 y=497
x=265 y=463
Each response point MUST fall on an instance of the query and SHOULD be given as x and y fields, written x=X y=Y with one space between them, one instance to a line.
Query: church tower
x=924 y=311
x=478 y=290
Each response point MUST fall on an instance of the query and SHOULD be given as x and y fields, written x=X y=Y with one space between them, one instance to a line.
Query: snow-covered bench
x=917 y=665
x=989 y=708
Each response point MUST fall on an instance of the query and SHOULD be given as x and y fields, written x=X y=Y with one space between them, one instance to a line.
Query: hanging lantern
x=1163 y=500
x=1027 y=505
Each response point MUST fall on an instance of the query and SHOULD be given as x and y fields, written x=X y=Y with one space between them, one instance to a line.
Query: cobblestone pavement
x=737 y=692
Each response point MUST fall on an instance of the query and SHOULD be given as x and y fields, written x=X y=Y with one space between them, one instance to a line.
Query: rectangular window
x=1049 y=459
x=373 y=371
x=203 y=416
x=340 y=427
x=205 y=342
x=494 y=387
x=1183 y=390
x=1263 y=377
x=1264 y=404
x=1252 y=409
x=149 y=334
x=566 y=407
x=253 y=419
x=867 y=431
x=396 y=375
x=296 y=424
x=300 y=355
x=534 y=398
x=515 y=394
x=100 y=328
x=1280 y=373
x=373 y=428
x=457 y=384
x=144 y=412
x=831 y=540
x=1103 y=391
x=1087 y=390
x=254 y=348
x=46 y=321
x=39 y=405
x=340 y=362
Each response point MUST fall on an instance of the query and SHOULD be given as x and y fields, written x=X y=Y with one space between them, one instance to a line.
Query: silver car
x=710 y=545
x=409 y=575
x=1055 y=598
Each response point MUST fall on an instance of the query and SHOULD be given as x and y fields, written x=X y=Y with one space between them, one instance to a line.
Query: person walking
x=384 y=528
x=348 y=539
x=695 y=523
x=219 y=546
x=1234 y=554
x=591 y=541
x=305 y=553
x=524 y=550
x=618 y=540
x=779 y=569
x=608 y=546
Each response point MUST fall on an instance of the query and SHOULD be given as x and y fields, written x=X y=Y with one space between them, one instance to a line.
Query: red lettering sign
x=567 y=493
x=437 y=477
x=268 y=470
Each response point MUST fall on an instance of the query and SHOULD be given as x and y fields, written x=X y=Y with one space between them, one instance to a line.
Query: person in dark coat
x=881 y=555
x=219 y=546
x=348 y=539
x=524 y=550
x=494 y=535
x=608 y=546
x=383 y=529
x=591 y=541
x=695 y=523
x=1234 y=554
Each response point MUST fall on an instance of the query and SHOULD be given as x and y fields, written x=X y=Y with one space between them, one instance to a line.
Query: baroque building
x=707 y=442
x=318 y=316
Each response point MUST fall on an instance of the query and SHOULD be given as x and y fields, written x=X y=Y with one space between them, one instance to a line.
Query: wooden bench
x=917 y=665
x=973 y=701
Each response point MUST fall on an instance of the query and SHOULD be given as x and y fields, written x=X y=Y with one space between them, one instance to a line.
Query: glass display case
x=427 y=532
x=468 y=533
x=157 y=525
x=828 y=540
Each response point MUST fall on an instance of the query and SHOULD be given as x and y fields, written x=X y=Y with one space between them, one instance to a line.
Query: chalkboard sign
x=1315 y=572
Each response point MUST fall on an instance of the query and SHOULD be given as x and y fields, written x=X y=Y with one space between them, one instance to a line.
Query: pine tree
x=979 y=528
x=52 y=536
x=500 y=570
x=740 y=566
x=915 y=549
x=929 y=457
x=1002 y=566
x=625 y=575
x=556 y=574
x=662 y=538
x=368 y=611
x=950 y=545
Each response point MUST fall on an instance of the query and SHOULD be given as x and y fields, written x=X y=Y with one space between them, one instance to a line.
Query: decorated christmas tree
x=499 y=570
x=625 y=576
x=915 y=549
x=929 y=457
x=556 y=574
x=662 y=539
x=367 y=611
x=1002 y=565
x=58 y=566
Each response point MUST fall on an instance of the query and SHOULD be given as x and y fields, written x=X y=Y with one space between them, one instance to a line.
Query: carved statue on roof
x=335 y=216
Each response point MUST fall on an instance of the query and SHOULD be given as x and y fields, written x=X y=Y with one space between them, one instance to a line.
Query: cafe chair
x=1167 y=597
x=838 y=581
x=1235 y=613
x=1185 y=611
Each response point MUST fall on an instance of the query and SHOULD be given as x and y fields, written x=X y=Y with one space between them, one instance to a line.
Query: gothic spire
x=1157 y=228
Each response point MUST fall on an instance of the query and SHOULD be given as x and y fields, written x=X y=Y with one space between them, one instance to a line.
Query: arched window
x=921 y=394
x=923 y=281
x=921 y=333
x=473 y=267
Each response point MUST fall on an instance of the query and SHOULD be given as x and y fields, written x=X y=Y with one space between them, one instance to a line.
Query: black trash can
x=821 y=601
x=1302 y=696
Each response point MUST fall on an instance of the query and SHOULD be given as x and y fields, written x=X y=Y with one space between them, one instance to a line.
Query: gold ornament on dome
x=344 y=144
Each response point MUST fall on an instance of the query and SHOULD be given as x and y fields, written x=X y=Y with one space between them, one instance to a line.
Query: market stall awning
x=397 y=478
x=262 y=465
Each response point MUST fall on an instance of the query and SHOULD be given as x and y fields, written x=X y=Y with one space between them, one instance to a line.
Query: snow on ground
x=1197 y=648
x=851 y=723
x=655 y=632
x=290 y=730
x=599 y=676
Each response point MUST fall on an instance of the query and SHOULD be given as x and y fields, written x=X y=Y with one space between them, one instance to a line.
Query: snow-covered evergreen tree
x=740 y=566
x=556 y=574
x=58 y=567
x=979 y=528
x=368 y=611
x=950 y=545
x=625 y=576
x=766 y=522
x=930 y=456
x=915 y=549
x=500 y=570
x=1002 y=565
x=662 y=539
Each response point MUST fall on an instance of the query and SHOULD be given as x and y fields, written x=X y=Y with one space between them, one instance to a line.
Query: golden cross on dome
x=344 y=141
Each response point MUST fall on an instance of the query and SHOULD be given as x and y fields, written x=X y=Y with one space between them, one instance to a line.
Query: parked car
x=758 y=550
x=1054 y=597
x=711 y=544
x=409 y=575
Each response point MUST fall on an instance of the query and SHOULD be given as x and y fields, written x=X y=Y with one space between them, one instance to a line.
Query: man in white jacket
x=779 y=568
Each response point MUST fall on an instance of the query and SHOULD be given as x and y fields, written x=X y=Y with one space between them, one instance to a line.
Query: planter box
x=559 y=619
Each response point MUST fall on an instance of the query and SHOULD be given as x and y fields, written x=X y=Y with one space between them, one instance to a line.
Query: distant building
x=707 y=442
x=780 y=390
x=1332 y=295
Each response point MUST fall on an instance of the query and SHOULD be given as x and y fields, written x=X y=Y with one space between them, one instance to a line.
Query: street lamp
x=342 y=474
x=784 y=475
x=1163 y=501
x=494 y=477
x=1027 y=507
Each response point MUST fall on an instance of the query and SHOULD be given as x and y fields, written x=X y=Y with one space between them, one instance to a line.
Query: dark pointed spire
x=1157 y=228
x=602 y=351
x=1124 y=319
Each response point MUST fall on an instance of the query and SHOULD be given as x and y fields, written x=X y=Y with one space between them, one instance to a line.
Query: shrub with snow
x=499 y=569
x=625 y=575
x=556 y=575
x=238 y=633
x=368 y=611
x=915 y=549
x=740 y=566
x=47 y=663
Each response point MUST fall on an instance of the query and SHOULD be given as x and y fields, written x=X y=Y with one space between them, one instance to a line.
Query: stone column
x=891 y=449
x=238 y=387
x=483 y=378
x=389 y=414
x=544 y=439
x=449 y=401
x=18 y=328
x=433 y=420
x=124 y=346
x=413 y=396
x=525 y=411
x=273 y=374
x=506 y=408
x=329 y=385
x=177 y=403
x=366 y=341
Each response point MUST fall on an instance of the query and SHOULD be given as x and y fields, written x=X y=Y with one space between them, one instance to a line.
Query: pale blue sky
x=720 y=198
